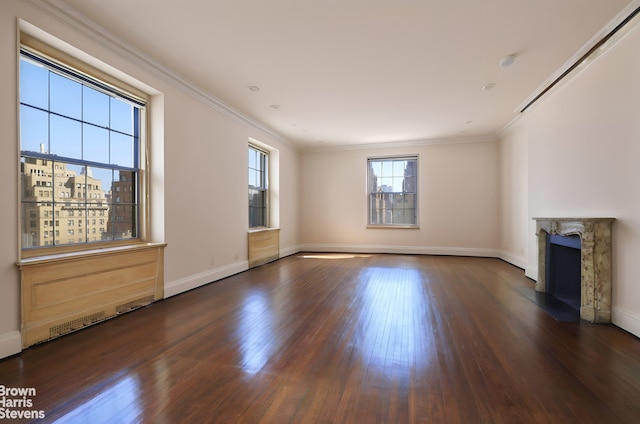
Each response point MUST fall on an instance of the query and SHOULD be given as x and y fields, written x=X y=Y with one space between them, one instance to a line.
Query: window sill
x=261 y=229
x=393 y=227
x=55 y=257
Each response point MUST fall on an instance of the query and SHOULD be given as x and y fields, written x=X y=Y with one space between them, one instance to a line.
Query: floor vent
x=135 y=304
x=76 y=324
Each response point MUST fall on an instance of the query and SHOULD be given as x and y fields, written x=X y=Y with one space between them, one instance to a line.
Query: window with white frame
x=392 y=191
x=84 y=138
x=258 y=187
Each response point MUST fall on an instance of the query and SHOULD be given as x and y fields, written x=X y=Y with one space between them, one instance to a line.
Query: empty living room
x=320 y=211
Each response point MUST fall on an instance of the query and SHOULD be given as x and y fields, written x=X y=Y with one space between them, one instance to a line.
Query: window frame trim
x=266 y=190
x=114 y=86
x=415 y=226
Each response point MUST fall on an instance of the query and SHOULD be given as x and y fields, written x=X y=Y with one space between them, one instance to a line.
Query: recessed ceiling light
x=489 y=86
x=507 y=60
x=274 y=106
x=253 y=88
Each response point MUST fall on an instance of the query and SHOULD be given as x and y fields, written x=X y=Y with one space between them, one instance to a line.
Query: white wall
x=9 y=278
x=514 y=194
x=458 y=201
x=204 y=217
x=583 y=152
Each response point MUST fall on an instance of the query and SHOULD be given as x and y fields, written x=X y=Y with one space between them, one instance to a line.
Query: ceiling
x=338 y=72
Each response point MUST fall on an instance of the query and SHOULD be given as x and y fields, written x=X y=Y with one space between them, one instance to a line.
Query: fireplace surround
x=595 y=261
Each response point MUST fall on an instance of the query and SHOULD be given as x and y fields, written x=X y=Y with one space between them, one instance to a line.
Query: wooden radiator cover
x=264 y=246
x=64 y=293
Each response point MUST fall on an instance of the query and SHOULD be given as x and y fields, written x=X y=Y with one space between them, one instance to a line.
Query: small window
x=258 y=191
x=393 y=192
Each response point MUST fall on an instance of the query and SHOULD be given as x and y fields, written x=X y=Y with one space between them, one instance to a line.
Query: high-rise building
x=61 y=206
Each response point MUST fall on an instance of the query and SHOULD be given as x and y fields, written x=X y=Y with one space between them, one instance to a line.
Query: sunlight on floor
x=334 y=256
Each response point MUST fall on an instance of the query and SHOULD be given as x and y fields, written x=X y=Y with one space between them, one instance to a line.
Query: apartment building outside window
x=392 y=192
x=258 y=187
x=83 y=139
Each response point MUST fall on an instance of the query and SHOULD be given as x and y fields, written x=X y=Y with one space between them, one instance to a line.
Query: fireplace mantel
x=595 y=262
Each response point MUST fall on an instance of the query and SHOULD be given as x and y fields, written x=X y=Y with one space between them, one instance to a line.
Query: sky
x=74 y=121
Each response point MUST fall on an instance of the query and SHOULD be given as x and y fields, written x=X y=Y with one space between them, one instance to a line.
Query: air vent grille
x=134 y=304
x=76 y=324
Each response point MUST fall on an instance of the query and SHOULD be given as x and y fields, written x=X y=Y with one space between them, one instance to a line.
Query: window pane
x=34 y=216
x=122 y=150
x=256 y=198
x=410 y=168
x=66 y=137
x=253 y=178
x=97 y=182
x=257 y=208
x=253 y=158
x=386 y=184
x=95 y=107
x=65 y=96
x=121 y=116
x=34 y=85
x=36 y=179
x=34 y=130
x=66 y=179
x=122 y=190
x=95 y=146
x=103 y=178
x=398 y=184
x=398 y=167
x=376 y=167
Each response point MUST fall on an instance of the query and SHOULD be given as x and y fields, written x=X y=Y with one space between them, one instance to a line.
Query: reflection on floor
x=559 y=310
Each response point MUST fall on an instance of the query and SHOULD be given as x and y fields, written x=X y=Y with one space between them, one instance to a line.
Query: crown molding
x=67 y=14
x=509 y=125
x=396 y=144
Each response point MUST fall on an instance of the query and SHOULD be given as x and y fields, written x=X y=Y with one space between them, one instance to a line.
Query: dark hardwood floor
x=340 y=339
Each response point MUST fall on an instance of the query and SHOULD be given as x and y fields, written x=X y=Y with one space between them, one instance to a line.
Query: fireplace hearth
x=563 y=243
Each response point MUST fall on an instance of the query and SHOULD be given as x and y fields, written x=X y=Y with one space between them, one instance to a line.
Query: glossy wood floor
x=340 y=339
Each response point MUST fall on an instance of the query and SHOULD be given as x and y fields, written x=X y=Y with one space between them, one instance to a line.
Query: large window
x=258 y=191
x=80 y=156
x=392 y=191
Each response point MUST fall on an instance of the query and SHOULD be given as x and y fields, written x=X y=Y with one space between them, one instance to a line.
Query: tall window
x=80 y=144
x=258 y=191
x=393 y=194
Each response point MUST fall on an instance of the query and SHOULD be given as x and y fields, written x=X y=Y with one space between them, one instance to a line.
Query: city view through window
x=258 y=192
x=79 y=158
x=393 y=195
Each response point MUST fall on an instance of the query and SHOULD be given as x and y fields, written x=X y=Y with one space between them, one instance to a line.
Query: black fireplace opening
x=563 y=276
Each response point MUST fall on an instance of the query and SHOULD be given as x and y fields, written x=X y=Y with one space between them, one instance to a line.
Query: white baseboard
x=626 y=319
x=193 y=281
x=291 y=250
x=410 y=250
x=519 y=261
x=10 y=343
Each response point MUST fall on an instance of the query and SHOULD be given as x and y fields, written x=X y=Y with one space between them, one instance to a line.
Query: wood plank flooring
x=317 y=338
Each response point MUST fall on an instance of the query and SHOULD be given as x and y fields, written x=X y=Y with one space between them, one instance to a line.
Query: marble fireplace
x=595 y=261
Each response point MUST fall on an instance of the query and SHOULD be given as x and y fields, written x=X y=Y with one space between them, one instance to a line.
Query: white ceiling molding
x=396 y=144
x=92 y=29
